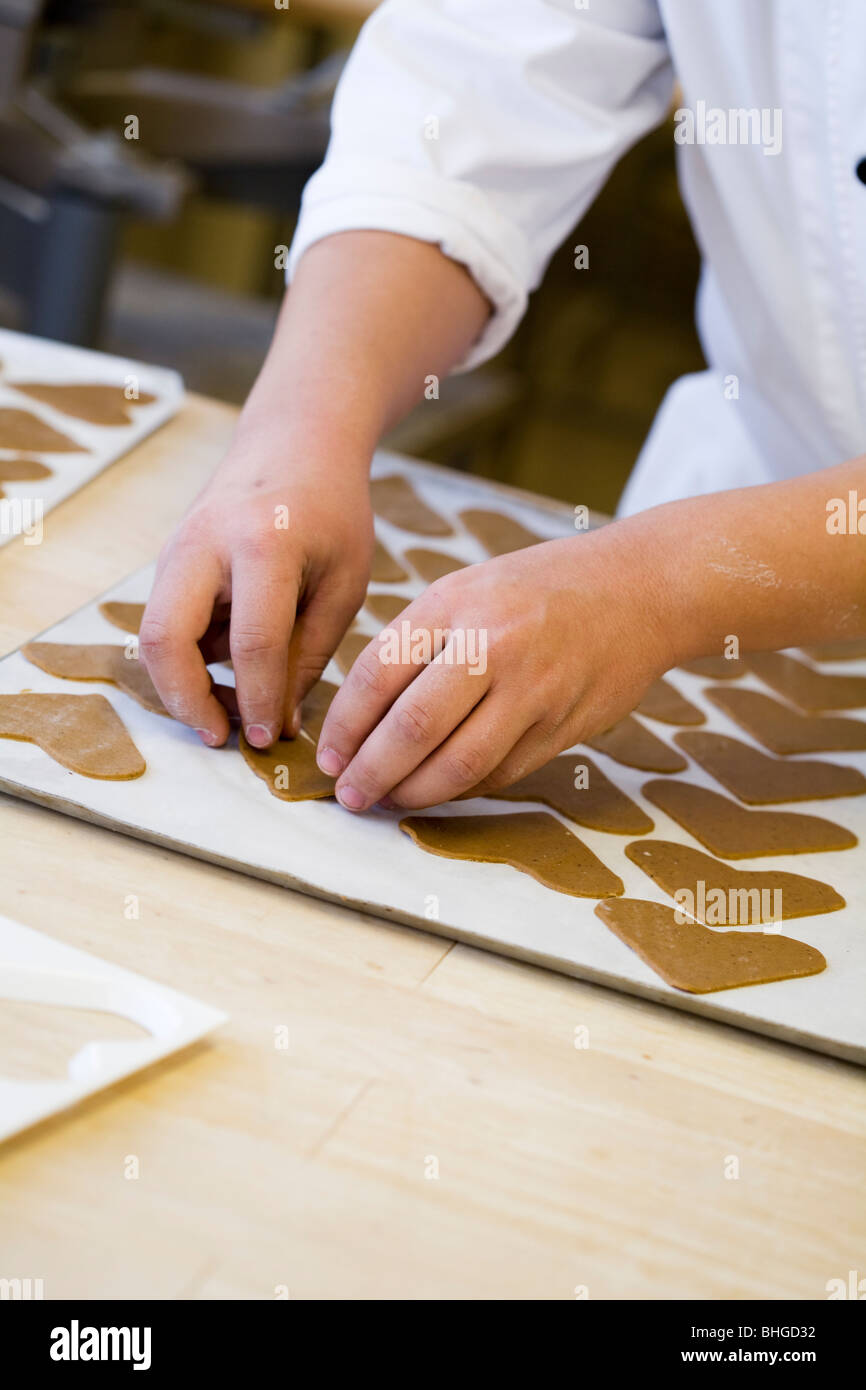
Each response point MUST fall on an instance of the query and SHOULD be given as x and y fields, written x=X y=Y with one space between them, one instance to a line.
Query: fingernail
x=387 y=804
x=330 y=761
x=351 y=798
x=207 y=737
x=260 y=736
x=295 y=725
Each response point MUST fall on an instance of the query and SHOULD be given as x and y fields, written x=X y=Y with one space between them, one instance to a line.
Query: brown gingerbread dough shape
x=385 y=569
x=22 y=471
x=532 y=842
x=499 y=533
x=629 y=743
x=677 y=868
x=433 y=564
x=316 y=704
x=838 y=651
x=20 y=429
x=761 y=780
x=97 y=403
x=395 y=500
x=732 y=832
x=386 y=607
x=96 y=662
x=700 y=961
x=350 y=649
x=782 y=729
x=126 y=616
x=716 y=668
x=597 y=805
x=81 y=732
x=664 y=702
x=813 y=691
x=289 y=768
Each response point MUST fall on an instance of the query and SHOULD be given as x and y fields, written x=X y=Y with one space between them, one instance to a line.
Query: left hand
x=575 y=631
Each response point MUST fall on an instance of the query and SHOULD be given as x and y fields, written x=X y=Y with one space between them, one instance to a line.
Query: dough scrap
x=126 y=616
x=732 y=832
x=499 y=533
x=98 y=404
x=22 y=471
x=761 y=780
x=96 y=662
x=664 y=702
x=395 y=500
x=289 y=760
x=386 y=607
x=316 y=704
x=433 y=564
x=629 y=743
x=385 y=569
x=838 y=651
x=700 y=961
x=81 y=732
x=533 y=842
x=19 y=429
x=676 y=868
x=813 y=691
x=716 y=668
x=782 y=729
x=600 y=805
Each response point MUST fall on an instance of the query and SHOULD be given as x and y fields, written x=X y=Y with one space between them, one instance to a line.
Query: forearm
x=760 y=564
x=369 y=316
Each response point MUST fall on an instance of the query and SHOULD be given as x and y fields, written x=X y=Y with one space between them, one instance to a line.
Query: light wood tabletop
x=444 y=1123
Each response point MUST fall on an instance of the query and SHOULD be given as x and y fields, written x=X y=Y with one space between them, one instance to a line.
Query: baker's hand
x=269 y=567
x=547 y=646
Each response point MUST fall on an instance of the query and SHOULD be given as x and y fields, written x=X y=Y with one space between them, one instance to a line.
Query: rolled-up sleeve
x=486 y=127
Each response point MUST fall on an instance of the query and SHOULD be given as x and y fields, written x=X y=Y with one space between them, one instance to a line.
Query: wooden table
x=313 y=1168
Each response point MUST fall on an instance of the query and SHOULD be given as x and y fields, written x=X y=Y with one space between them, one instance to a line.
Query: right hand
x=236 y=580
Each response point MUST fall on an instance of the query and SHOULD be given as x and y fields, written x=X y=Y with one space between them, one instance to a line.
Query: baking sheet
x=208 y=803
x=24 y=358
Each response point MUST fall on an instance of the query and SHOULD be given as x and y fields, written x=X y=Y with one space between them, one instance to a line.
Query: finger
x=538 y=745
x=423 y=716
x=263 y=613
x=315 y=637
x=482 y=743
x=228 y=698
x=177 y=615
x=375 y=681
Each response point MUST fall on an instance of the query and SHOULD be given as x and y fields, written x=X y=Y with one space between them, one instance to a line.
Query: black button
x=861 y=170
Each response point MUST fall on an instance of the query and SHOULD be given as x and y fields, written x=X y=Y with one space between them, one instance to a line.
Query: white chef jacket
x=488 y=126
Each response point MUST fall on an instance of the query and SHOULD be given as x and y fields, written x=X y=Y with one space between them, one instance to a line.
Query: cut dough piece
x=97 y=662
x=693 y=958
x=386 y=607
x=395 y=500
x=664 y=702
x=838 y=651
x=316 y=704
x=350 y=649
x=19 y=429
x=733 y=832
x=22 y=471
x=532 y=841
x=81 y=732
x=716 y=668
x=289 y=768
x=782 y=729
x=385 y=569
x=433 y=564
x=629 y=743
x=126 y=616
x=98 y=404
x=676 y=868
x=600 y=805
x=812 y=690
x=498 y=532
x=761 y=780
